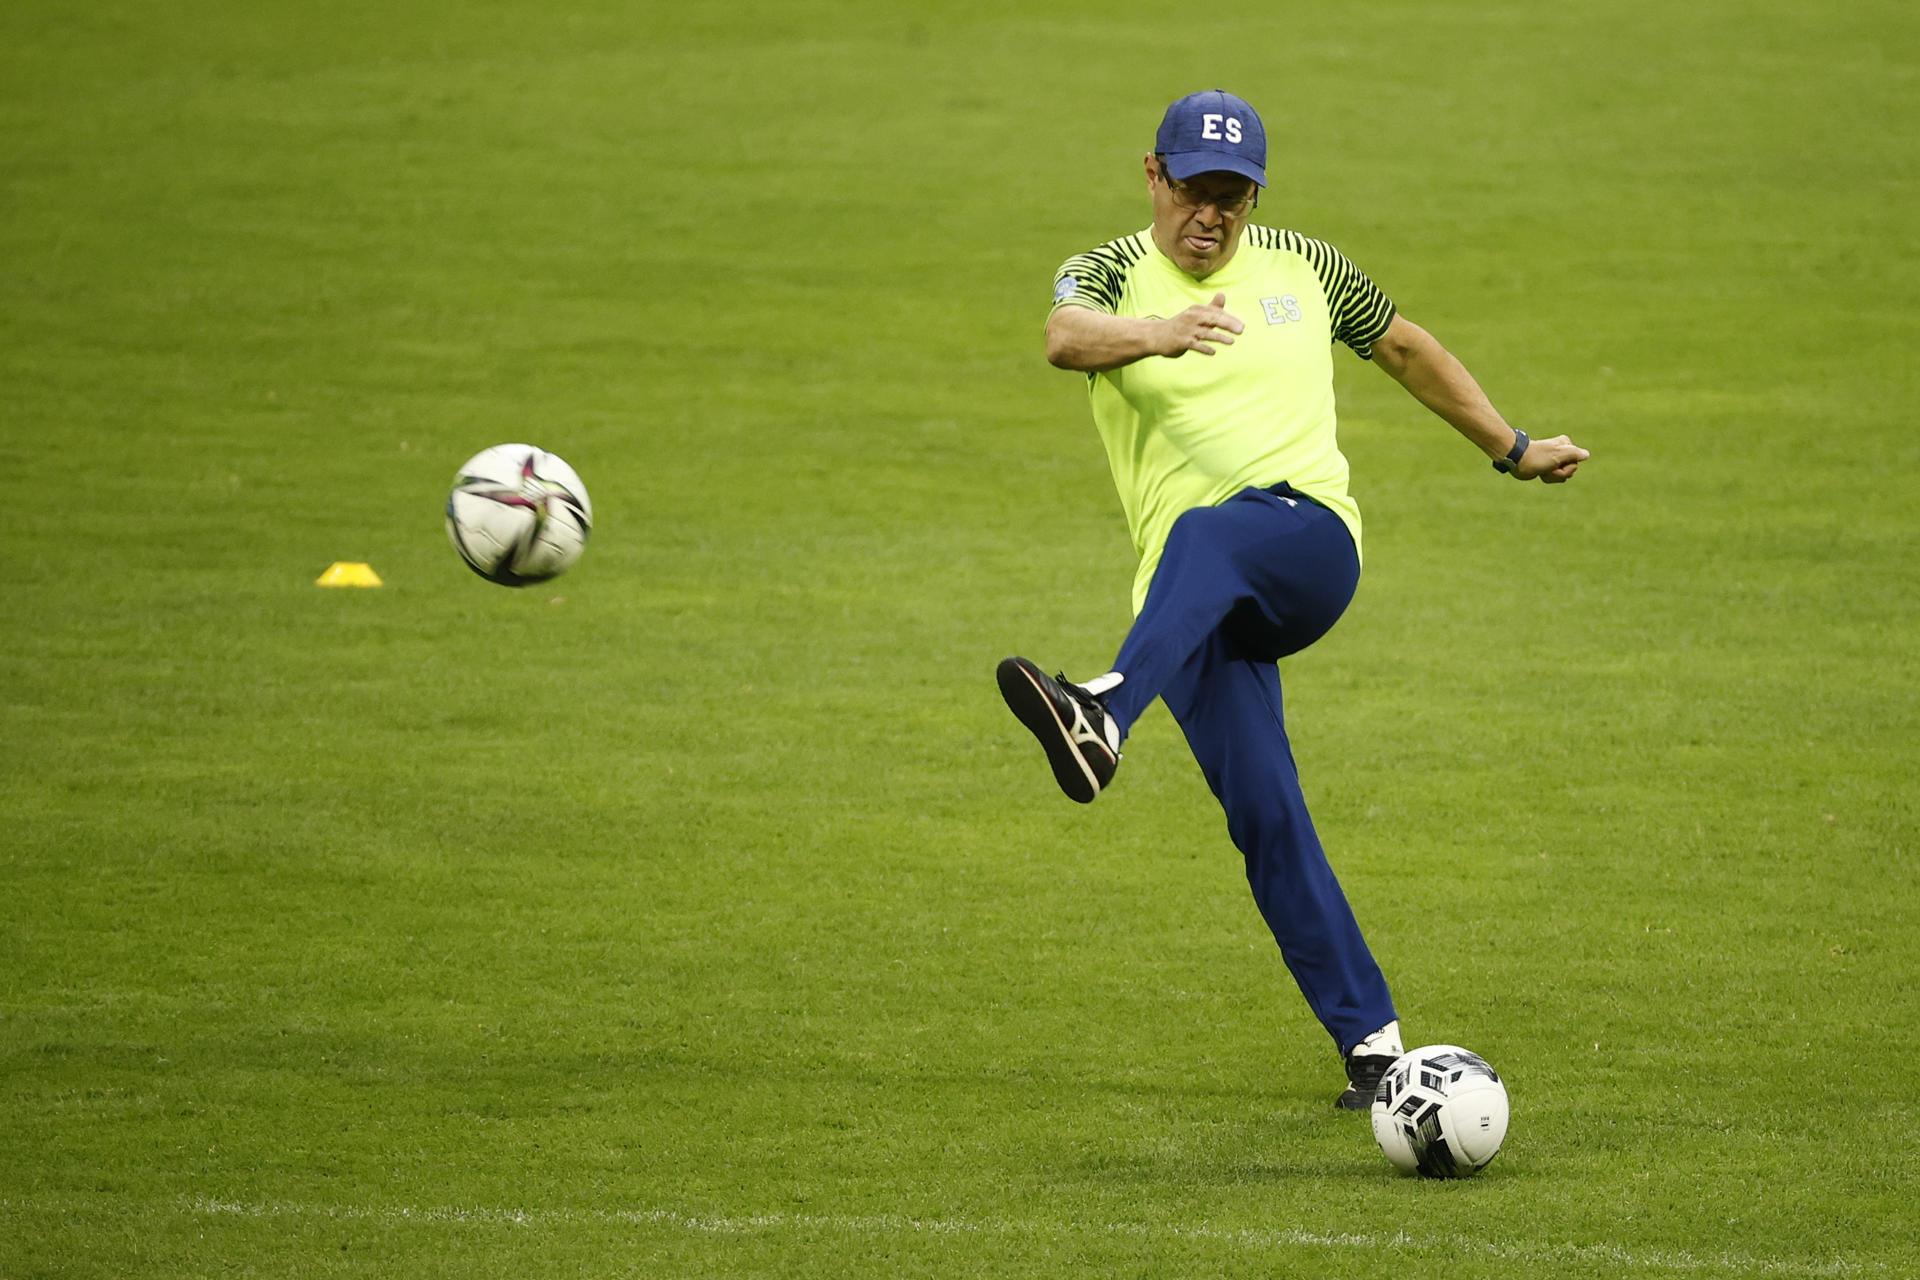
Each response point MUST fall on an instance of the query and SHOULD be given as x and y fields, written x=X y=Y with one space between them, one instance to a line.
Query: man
x=1207 y=348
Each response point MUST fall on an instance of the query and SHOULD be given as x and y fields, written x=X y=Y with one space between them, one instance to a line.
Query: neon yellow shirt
x=1195 y=430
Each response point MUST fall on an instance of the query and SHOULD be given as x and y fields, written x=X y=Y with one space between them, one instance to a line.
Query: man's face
x=1197 y=222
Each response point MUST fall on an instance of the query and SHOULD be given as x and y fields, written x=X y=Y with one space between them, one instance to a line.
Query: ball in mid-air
x=518 y=515
x=1440 y=1111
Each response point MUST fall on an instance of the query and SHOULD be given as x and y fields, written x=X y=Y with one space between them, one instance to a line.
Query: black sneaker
x=1082 y=741
x=1363 y=1079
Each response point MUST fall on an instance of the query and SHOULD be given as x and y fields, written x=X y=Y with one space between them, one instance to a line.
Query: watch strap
x=1511 y=463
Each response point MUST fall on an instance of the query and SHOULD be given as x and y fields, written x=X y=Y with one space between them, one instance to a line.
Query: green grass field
x=704 y=913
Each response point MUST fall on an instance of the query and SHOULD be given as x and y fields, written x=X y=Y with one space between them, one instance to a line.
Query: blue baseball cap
x=1213 y=131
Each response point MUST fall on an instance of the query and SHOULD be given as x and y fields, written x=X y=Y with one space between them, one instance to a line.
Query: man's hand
x=1196 y=328
x=1551 y=461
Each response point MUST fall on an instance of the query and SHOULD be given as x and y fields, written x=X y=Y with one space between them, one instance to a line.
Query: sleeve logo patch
x=1067 y=287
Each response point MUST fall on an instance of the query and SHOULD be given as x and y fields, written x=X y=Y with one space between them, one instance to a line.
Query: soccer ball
x=1440 y=1112
x=518 y=515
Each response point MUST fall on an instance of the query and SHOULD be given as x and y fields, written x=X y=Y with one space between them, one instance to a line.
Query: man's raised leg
x=1287 y=560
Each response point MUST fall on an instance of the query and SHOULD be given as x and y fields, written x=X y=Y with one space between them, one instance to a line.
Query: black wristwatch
x=1511 y=463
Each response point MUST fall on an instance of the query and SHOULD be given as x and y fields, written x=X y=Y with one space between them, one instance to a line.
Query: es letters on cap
x=1210 y=126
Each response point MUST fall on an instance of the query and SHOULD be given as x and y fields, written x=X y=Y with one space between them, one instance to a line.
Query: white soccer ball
x=1441 y=1112
x=518 y=515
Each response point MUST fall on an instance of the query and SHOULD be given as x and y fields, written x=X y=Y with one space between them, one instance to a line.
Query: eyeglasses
x=1188 y=197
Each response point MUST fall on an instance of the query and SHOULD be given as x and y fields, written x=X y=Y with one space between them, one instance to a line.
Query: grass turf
x=704 y=913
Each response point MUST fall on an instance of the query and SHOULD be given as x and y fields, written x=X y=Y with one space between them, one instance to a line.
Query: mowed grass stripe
x=1251 y=1238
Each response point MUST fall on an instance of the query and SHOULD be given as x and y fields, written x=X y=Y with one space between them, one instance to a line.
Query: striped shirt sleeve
x=1361 y=312
x=1093 y=279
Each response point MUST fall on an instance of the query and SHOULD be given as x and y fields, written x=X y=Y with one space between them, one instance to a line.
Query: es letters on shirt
x=1281 y=310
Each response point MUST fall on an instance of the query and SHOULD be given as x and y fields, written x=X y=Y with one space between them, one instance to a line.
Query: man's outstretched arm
x=1092 y=341
x=1432 y=375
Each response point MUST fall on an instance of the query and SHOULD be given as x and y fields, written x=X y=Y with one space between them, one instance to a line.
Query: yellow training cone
x=348 y=573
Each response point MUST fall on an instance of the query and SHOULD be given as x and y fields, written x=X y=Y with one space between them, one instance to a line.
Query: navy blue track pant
x=1239 y=586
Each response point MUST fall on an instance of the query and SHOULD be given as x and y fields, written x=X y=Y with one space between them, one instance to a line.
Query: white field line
x=889 y=1224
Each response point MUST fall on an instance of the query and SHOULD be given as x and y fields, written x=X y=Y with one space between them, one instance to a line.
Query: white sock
x=1385 y=1040
x=1100 y=684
